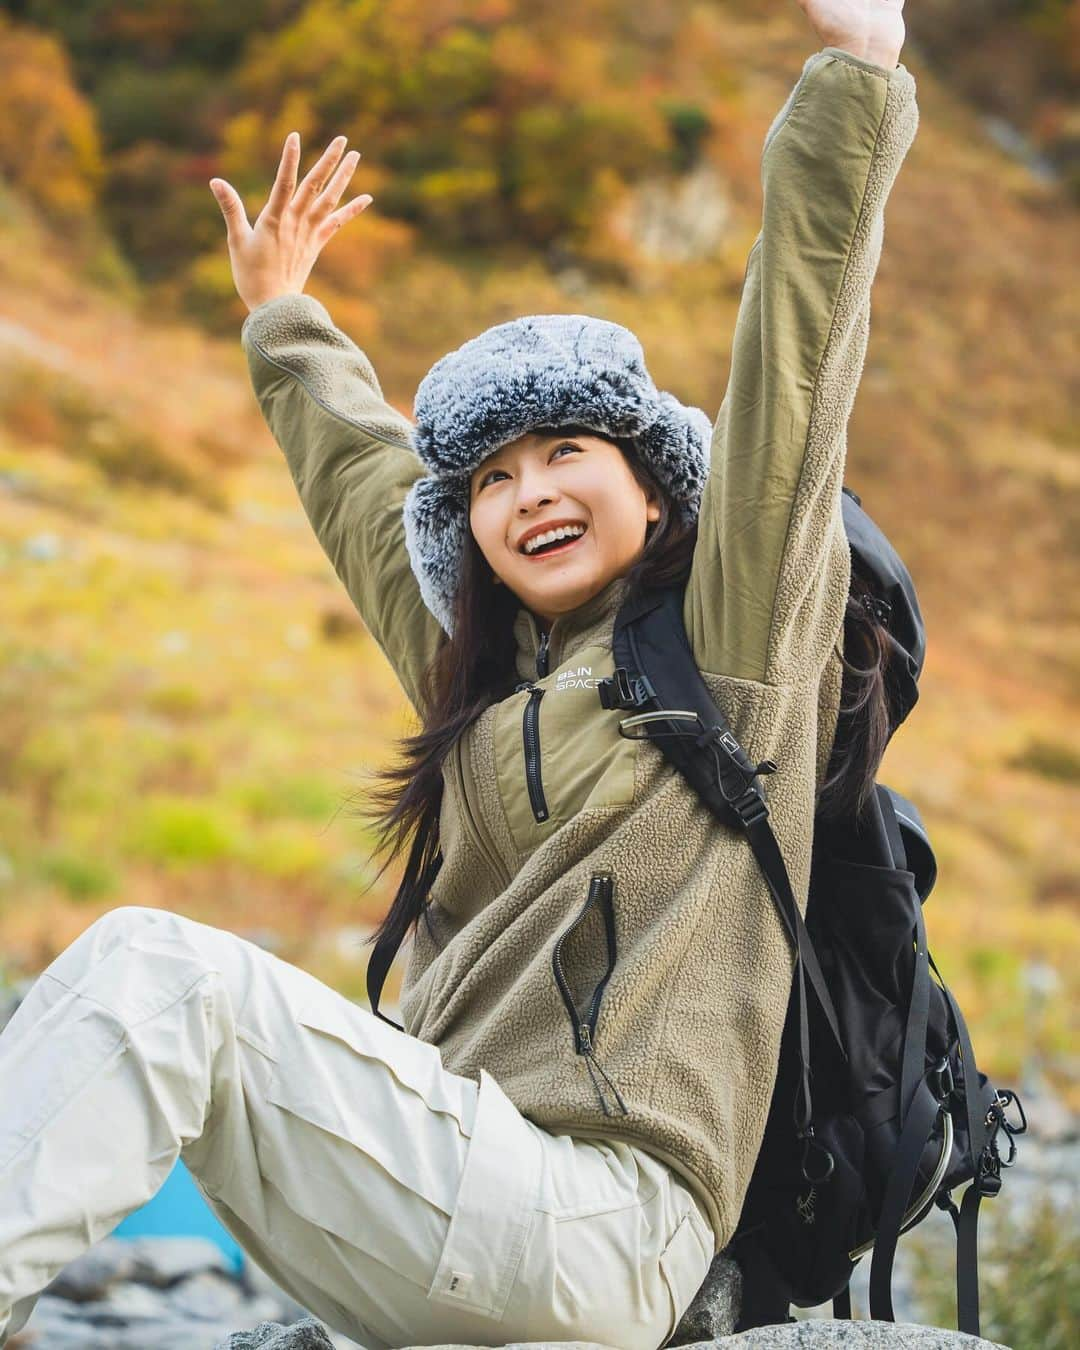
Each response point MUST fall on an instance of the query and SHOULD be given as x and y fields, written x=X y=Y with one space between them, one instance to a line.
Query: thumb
x=232 y=208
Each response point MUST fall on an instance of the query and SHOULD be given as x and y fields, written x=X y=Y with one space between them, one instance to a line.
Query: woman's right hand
x=276 y=256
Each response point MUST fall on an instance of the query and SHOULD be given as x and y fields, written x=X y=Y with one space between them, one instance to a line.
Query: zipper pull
x=542 y=656
x=593 y=1066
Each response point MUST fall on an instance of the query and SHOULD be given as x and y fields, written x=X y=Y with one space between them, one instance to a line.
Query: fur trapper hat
x=538 y=370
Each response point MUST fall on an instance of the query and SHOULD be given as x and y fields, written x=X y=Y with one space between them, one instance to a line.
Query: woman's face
x=536 y=482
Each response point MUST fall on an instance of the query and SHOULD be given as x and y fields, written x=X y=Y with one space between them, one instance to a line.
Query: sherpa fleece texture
x=539 y=370
x=687 y=1026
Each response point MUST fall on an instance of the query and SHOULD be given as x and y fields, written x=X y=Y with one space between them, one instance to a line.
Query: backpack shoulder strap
x=657 y=679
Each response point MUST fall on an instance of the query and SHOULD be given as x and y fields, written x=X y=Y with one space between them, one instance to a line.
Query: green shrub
x=82 y=878
x=174 y=831
x=1049 y=759
x=1029 y=1293
x=286 y=854
x=282 y=798
x=688 y=126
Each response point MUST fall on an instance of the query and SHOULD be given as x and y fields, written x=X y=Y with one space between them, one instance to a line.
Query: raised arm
x=349 y=454
x=771 y=570
x=348 y=450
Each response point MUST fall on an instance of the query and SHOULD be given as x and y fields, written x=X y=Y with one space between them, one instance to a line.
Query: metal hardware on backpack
x=899 y=1114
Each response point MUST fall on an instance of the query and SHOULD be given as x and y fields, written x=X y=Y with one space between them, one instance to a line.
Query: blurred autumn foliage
x=167 y=611
x=498 y=127
x=49 y=143
x=489 y=125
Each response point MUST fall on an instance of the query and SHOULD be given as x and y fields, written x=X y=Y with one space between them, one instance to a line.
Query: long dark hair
x=475 y=668
x=867 y=717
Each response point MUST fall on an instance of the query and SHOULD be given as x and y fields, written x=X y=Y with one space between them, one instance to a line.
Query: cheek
x=489 y=531
x=622 y=516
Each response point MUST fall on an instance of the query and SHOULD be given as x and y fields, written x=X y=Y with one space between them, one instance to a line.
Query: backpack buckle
x=989 y=1175
x=940 y=1080
x=623 y=690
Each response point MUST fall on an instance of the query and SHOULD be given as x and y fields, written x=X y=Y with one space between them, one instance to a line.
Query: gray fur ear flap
x=435 y=519
x=677 y=445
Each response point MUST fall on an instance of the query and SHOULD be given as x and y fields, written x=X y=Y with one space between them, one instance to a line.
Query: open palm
x=873 y=29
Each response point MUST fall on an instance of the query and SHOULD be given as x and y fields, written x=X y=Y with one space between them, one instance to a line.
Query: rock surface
x=715 y=1308
x=307 y=1334
x=815 y=1335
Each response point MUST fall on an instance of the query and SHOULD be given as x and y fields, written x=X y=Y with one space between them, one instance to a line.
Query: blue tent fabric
x=179 y=1210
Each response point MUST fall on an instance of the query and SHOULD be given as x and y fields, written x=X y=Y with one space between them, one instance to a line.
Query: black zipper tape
x=601 y=890
x=530 y=728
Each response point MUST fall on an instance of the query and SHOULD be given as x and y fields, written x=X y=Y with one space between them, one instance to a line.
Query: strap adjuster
x=737 y=775
x=625 y=691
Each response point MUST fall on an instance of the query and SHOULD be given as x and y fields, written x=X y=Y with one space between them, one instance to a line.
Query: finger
x=334 y=222
x=285 y=181
x=319 y=172
x=331 y=195
x=232 y=208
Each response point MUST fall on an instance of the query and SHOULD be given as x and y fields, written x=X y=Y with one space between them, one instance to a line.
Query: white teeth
x=563 y=532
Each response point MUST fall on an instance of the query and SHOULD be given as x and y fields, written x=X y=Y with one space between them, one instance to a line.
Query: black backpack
x=879 y=1110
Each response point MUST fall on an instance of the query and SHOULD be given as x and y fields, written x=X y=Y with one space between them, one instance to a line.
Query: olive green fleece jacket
x=605 y=949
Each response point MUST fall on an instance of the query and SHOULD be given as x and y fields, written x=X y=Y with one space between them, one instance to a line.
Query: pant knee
x=117 y=926
x=150 y=936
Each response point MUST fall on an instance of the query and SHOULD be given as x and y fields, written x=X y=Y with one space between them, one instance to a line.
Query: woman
x=559 y=1142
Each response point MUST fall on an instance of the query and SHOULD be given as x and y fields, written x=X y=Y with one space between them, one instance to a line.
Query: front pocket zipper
x=584 y=1011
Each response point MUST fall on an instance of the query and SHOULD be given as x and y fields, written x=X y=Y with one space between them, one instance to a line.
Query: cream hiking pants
x=402 y=1204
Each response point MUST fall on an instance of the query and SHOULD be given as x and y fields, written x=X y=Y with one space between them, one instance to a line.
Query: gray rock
x=57 y=1324
x=839 y=1335
x=307 y=1334
x=830 y=1335
x=89 y=1275
x=158 y=1261
x=715 y=1308
x=207 y=1296
x=161 y=1261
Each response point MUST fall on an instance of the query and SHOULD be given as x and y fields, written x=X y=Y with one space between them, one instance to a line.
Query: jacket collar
x=569 y=633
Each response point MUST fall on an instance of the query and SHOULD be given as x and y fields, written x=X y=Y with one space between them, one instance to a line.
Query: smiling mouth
x=551 y=550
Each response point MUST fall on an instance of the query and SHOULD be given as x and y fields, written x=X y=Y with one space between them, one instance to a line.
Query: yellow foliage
x=49 y=146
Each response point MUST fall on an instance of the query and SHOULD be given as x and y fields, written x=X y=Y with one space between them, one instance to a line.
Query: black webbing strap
x=841 y=1304
x=913 y=1064
x=770 y=860
x=967 y=1260
x=918 y=1127
x=977 y=1102
x=655 y=675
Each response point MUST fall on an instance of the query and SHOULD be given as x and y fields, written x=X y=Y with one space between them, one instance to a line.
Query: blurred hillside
x=186 y=697
x=1018 y=61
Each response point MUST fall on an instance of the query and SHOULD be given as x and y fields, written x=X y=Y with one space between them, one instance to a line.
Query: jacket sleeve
x=771 y=569
x=351 y=459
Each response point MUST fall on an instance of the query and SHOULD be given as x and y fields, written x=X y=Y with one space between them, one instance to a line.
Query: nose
x=535 y=490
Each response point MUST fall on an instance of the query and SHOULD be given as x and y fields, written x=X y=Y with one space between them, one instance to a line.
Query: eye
x=558 y=449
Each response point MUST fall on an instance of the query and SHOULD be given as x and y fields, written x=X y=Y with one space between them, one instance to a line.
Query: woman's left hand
x=871 y=29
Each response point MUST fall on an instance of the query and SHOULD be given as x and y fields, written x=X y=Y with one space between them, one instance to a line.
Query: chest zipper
x=530 y=730
x=600 y=888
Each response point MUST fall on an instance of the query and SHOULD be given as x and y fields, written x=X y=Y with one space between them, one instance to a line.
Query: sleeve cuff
x=272 y=314
x=843 y=55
